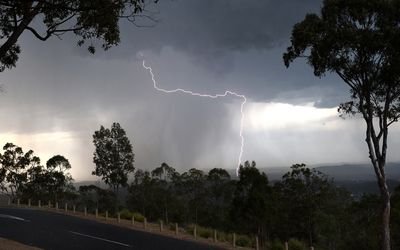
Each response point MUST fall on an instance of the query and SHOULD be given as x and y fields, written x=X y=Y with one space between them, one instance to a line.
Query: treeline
x=305 y=206
x=23 y=176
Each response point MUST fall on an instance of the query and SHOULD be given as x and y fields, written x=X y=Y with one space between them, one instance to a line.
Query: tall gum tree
x=359 y=40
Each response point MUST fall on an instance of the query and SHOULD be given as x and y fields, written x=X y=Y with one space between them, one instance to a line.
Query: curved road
x=58 y=231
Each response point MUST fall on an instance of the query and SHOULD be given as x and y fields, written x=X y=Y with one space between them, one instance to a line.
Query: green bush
x=243 y=241
x=277 y=245
x=126 y=214
x=205 y=232
x=138 y=216
x=297 y=245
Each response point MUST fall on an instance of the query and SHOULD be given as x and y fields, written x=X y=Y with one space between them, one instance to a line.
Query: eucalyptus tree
x=359 y=40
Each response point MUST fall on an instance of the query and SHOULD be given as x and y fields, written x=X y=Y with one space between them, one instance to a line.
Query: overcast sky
x=58 y=94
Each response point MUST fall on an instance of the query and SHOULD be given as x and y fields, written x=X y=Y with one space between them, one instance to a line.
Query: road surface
x=48 y=230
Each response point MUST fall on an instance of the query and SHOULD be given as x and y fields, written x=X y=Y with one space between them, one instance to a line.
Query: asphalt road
x=58 y=231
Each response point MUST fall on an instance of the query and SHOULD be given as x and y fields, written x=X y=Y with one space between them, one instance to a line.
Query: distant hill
x=356 y=178
x=359 y=172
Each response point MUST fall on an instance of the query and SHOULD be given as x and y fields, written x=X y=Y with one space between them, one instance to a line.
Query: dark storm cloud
x=206 y=46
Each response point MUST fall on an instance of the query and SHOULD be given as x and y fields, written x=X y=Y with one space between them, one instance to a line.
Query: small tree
x=113 y=156
x=359 y=40
x=57 y=179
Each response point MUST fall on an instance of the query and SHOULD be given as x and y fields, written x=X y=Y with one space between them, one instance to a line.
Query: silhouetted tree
x=88 y=20
x=56 y=178
x=359 y=41
x=306 y=196
x=113 y=156
x=250 y=206
x=13 y=168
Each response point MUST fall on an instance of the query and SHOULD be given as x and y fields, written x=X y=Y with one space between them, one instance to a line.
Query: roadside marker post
x=29 y=202
x=97 y=213
x=39 y=205
x=119 y=217
x=133 y=220
x=85 y=211
x=66 y=207
x=106 y=215
x=176 y=229
x=18 y=202
x=234 y=240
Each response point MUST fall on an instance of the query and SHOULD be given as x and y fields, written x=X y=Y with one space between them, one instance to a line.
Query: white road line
x=12 y=217
x=97 y=238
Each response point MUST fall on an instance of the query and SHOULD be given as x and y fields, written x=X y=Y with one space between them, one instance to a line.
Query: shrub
x=297 y=245
x=277 y=245
x=243 y=241
x=126 y=214
x=138 y=216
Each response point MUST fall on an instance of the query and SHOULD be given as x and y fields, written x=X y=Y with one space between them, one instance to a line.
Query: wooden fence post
x=97 y=213
x=195 y=231
x=161 y=225
x=66 y=207
x=133 y=220
x=234 y=240
x=74 y=208
x=144 y=223
x=85 y=211
x=176 y=229
x=257 y=245
x=215 y=235
x=106 y=215
x=286 y=245
x=57 y=206
x=119 y=217
x=29 y=202
x=39 y=205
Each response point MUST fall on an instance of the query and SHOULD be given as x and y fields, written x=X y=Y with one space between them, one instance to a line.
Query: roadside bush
x=138 y=216
x=295 y=244
x=126 y=214
x=277 y=245
x=243 y=241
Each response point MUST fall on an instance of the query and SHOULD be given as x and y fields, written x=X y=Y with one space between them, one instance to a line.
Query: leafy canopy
x=90 y=21
x=113 y=155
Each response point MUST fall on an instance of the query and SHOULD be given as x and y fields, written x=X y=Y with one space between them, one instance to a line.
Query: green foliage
x=244 y=241
x=113 y=156
x=126 y=214
x=138 y=216
x=250 y=205
x=276 y=245
x=295 y=244
x=94 y=197
x=89 y=21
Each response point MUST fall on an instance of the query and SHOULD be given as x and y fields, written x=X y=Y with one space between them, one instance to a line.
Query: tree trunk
x=378 y=160
x=385 y=227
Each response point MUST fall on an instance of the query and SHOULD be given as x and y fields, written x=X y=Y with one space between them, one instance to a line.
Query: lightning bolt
x=227 y=92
